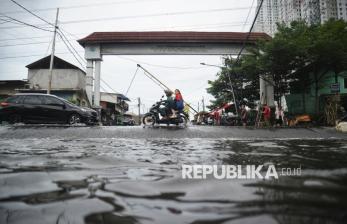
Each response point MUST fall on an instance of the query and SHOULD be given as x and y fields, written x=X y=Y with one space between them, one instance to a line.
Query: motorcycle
x=156 y=116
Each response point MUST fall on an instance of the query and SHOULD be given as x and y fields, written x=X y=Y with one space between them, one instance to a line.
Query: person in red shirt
x=267 y=114
x=179 y=105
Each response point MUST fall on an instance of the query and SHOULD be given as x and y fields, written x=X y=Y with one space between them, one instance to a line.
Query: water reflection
x=138 y=181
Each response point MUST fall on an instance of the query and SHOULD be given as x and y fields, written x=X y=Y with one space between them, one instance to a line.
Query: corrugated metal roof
x=171 y=37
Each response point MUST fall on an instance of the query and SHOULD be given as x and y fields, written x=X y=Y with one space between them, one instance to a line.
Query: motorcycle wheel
x=183 y=121
x=148 y=120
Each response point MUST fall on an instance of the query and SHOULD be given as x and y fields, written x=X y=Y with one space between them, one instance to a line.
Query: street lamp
x=231 y=85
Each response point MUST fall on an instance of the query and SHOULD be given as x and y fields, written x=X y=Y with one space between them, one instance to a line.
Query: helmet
x=168 y=92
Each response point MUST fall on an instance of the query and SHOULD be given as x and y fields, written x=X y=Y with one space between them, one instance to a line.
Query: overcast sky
x=22 y=45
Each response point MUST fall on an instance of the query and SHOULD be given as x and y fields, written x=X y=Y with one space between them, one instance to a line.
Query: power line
x=67 y=46
x=250 y=31
x=9 y=21
x=38 y=37
x=155 y=15
x=29 y=43
x=24 y=23
x=201 y=26
x=71 y=34
x=249 y=13
x=21 y=44
x=31 y=12
x=109 y=86
x=147 y=15
x=132 y=80
x=62 y=35
x=78 y=6
x=73 y=51
x=31 y=55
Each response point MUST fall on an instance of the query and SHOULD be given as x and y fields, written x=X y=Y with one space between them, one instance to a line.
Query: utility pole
x=198 y=106
x=52 y=54
x=233 y=94
x=230 y=83
x=203 y=104
x=139 y=105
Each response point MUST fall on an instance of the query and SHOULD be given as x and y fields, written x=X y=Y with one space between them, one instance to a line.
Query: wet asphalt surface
x=60 y=174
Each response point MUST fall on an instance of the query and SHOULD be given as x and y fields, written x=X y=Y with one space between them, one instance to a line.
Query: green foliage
x=287 y=59
x=242 y=77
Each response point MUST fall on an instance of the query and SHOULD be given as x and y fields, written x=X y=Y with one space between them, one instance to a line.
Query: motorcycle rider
x=169 y=104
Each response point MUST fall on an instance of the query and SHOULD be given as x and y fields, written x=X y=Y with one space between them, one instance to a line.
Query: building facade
x=113 y=108
x=341 y=9
x=286 y=11
x=328 y=10
x=268 y=16
x=68 y=81
x=10 y=87
x=330 y=85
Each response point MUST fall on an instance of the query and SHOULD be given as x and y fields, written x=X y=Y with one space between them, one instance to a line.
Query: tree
x=242 y=76
x=289 y=58
x=328 y=52
x=285 y=53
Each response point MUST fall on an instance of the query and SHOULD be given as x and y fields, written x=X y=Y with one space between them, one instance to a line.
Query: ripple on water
x=107 y=180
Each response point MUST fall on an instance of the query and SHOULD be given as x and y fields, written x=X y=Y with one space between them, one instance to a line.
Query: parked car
x=128 y=121
x=44 y=108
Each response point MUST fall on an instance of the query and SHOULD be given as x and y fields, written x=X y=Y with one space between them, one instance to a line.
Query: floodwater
x=80 y=179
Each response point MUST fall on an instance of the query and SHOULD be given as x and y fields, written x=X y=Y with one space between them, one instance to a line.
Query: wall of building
x=295 y=102
x=286 y=11
x=341 y=9
x=268 y=16
x=61 y=79
x=289 y=10
x=8 y=89
x=328 y=10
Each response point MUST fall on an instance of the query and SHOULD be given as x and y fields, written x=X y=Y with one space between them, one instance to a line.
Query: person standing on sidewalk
x=279 y=116
x=267 y=115
x=244 y=115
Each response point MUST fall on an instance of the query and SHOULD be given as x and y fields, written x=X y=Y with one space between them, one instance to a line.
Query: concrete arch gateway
x=164 y=43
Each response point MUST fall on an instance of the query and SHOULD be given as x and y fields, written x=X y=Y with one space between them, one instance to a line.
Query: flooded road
x=133 y=175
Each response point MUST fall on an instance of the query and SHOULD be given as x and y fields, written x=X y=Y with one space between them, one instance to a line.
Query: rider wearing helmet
x=169 y=103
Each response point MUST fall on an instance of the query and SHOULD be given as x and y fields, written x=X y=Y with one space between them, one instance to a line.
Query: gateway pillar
x=97 y=83
x=266 y=91
x=89 y=81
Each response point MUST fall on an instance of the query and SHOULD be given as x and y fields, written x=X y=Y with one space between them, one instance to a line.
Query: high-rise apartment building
x=289 y=10
x=310 y=11
x=328 y=10
x=341 y=9
x=268 y=15
x=286 y=11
